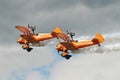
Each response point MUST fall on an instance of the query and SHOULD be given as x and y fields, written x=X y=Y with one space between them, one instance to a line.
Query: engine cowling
x=61 y=47
x=22 y=41
x=25 y=46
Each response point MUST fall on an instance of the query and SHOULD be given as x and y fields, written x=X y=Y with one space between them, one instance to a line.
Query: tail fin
x=99 y=37
x=57 y=30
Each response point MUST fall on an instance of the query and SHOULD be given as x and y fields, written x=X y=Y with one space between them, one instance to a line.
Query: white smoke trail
x=18 y=59
x=111 y=44
x=104 y=66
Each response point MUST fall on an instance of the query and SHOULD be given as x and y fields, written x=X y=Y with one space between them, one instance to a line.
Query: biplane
x=30 y=38
x=69 y=44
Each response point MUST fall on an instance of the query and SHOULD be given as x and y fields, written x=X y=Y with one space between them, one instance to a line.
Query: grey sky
x=85 y=17
x=80 y=16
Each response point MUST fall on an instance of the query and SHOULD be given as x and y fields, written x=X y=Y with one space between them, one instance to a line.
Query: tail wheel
x=99 y=45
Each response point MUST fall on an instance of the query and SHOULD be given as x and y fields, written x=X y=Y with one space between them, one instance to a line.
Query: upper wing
x=64 y=37
x=23 y=29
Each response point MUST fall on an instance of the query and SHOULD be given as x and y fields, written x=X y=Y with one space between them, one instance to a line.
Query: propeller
x=71 y=34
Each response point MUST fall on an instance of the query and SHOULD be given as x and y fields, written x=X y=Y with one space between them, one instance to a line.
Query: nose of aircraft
x=59 y=47
x=19 y=40
x=22 y=41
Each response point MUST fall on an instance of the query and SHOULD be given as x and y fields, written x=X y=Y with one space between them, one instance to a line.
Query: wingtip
x=23 y=29
x=18 y=26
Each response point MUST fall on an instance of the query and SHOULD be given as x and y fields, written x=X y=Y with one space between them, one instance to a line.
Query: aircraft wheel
x=68 y=56
x=99 y=45
x=29 y=49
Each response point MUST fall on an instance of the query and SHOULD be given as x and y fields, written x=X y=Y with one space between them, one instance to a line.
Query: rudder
x=57 y=30
x=99 y=37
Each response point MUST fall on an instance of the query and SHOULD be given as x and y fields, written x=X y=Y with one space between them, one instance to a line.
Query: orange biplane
x=68 y=44
x=29 y=38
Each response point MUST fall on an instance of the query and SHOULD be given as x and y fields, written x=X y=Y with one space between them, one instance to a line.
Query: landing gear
x=68 y=56
x=65 y=55
x=99 y=45
x=29 y=49
x=26 y=47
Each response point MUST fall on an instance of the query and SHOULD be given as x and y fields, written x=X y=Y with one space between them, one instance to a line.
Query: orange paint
x=75 y=45
x=68 y=43
x=22 y=41
x=42 y=37
x=30 y=38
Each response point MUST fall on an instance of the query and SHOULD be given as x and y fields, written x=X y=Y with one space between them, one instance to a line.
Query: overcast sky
x=80 y=16
x=84 y=17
